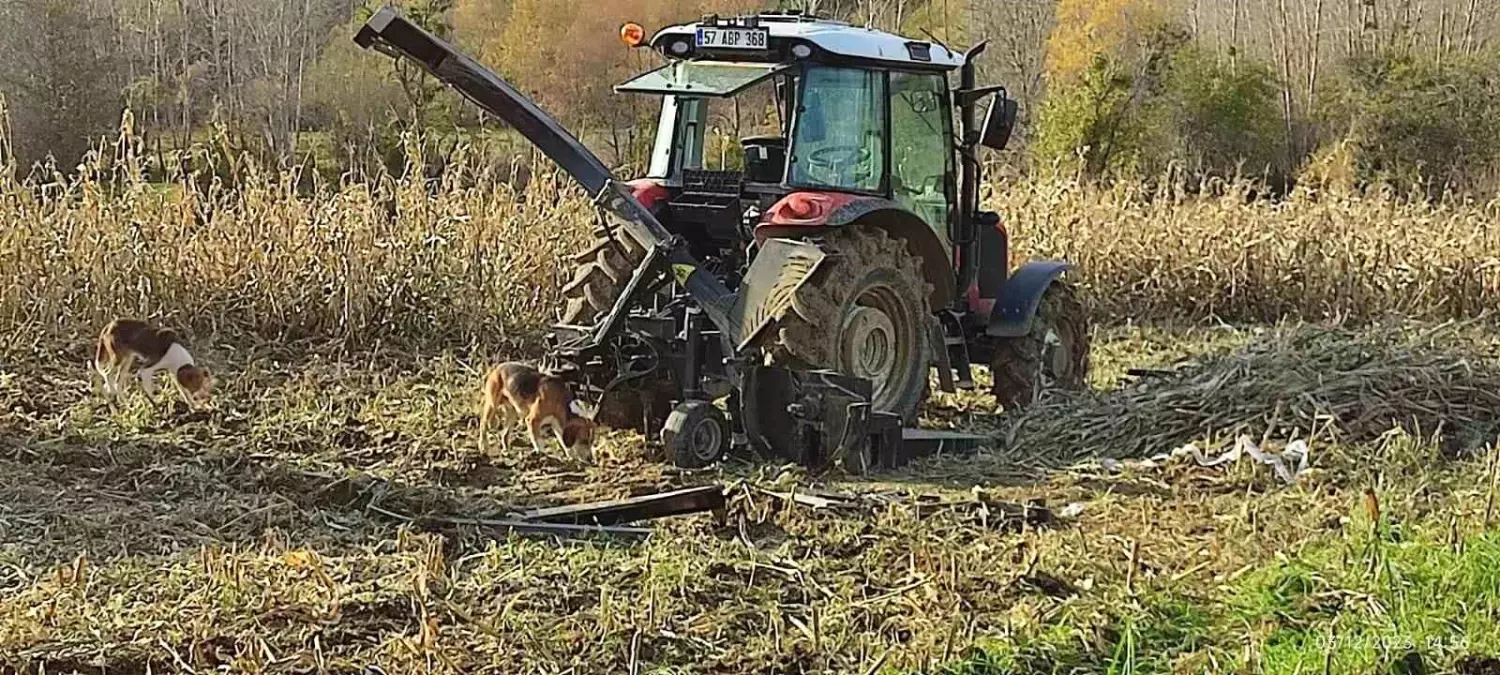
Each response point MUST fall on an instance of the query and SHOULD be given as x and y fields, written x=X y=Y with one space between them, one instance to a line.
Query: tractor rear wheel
x=1053 y=355
x=600 y=276
x=865 y=314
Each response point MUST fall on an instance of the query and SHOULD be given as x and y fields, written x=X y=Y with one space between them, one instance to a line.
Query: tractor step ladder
x=958 y=356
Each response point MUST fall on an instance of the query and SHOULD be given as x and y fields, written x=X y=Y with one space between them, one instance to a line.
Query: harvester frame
x=728 y=302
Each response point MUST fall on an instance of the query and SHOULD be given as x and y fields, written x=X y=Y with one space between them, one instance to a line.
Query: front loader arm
x=390 y=33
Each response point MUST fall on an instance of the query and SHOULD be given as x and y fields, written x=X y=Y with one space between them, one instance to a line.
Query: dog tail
x=101 y=352
x=489 y=389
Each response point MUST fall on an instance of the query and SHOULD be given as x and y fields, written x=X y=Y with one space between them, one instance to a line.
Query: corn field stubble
x=142 y=538
x=260 y=537
x=469 y=259
x=368 y=261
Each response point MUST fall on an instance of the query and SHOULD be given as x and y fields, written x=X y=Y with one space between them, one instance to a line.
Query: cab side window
x=921 y=146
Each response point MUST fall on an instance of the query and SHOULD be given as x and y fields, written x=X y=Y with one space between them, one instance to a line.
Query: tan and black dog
x=125 y=341
x=518 y=391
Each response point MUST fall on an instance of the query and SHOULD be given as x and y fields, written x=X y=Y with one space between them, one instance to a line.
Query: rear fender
x=805 y=214
x=1018 y=299
x=650 y=193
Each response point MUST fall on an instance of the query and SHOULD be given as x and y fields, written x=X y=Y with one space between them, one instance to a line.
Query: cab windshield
x=711 y=110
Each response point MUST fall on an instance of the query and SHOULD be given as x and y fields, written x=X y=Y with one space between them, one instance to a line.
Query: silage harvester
x=799 y=292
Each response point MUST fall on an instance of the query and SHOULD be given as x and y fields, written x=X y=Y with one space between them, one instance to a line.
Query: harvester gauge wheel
x=1053 y=356
x=696 y=434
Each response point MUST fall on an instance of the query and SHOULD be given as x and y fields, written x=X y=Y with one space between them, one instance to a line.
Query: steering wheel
x=835 y=157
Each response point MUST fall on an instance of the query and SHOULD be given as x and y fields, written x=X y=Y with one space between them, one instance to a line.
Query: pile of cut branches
x=1334 y=385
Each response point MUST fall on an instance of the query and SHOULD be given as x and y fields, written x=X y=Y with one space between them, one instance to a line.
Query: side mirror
x=999 y=122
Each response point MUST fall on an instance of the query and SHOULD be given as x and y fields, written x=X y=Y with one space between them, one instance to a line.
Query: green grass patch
x=1362 y=602
x=1372 y=599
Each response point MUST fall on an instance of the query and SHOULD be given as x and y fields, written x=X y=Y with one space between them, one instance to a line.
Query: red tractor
x=796 y=287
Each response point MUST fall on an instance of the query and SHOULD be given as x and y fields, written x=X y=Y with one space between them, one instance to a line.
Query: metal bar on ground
x=919 y=443
x=567 y=530
x=646 y=507
x=516 y=526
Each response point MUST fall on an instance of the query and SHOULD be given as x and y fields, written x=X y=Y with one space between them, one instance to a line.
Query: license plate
x=733 y=38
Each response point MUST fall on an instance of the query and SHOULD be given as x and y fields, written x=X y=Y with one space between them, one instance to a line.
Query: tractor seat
x=765 y=158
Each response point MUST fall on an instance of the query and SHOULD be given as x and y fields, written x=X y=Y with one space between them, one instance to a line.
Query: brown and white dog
x=124 y=341
x=515 y=390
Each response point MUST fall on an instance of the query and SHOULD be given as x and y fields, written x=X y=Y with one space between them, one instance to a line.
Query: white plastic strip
x=1296 y=454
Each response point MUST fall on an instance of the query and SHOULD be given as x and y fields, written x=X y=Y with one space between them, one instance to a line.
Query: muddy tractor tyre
x=866 y=313
x=1054 y=355
x=600 y=274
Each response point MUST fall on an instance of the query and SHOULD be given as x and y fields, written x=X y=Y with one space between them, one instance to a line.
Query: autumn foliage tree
x=1127 y=86
x=1100 y=61
x=1129 y=90
x=568 y=56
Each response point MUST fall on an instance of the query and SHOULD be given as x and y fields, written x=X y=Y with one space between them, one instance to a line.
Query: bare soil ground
x=263 y=536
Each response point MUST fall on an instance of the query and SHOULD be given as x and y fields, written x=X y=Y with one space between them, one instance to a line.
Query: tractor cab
x=771 y=122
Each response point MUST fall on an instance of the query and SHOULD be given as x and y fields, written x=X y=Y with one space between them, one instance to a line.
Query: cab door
x=922 y=168
x=839 y=139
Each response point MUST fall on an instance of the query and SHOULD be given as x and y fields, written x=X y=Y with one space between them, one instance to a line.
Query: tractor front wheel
x=1053 y=355
x=865 y=314
x=600 y=276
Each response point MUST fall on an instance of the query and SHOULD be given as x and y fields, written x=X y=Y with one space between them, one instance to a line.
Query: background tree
x=1415 y=121
x=62 y=78
x=1125 y=84
x=1103 y=62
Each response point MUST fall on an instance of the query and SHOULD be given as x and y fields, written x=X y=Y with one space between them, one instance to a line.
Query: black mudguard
x=1019 y=297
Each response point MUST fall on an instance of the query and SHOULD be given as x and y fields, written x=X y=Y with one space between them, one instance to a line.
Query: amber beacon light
x=632 y=34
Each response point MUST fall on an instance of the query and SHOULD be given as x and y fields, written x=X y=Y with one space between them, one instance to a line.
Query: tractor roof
x=830 y=41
